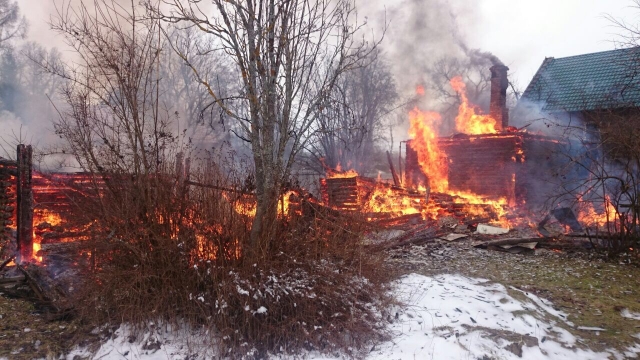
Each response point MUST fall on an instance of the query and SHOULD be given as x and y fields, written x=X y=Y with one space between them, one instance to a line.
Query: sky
x=521 y=33
x=419 y=32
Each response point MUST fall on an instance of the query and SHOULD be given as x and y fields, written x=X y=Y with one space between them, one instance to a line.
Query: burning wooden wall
x=7 y=198
x=482 y=164
x=508 y=165
x=55 y=195
x=36 y=208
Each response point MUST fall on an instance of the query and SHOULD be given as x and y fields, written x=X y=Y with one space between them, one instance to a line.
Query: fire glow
x=425 y=142
x=468 y=120
x=588 y=215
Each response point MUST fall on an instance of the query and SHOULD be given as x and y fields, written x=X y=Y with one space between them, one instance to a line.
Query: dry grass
x=26 y=334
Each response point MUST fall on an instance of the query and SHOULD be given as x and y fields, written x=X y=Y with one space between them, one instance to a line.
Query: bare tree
x=473 y=67
x=289 y=55
x=12 y=25
x=352 y=121
x=182 y=96
x=113 y=121
x=629 y=32
x=474 y=73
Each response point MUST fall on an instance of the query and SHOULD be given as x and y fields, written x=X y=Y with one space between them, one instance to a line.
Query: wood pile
x=342 y=193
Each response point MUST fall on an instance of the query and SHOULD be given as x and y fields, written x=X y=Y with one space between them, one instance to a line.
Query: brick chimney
x=498 y=108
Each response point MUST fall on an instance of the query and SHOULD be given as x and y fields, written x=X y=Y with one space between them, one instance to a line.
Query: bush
x=172 y=253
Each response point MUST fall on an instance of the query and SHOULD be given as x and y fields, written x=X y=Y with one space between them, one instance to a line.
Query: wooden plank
x=513 y=241
x=396 y=179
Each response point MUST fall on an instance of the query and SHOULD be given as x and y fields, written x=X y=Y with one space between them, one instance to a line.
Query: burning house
x=487 y=157
x=36 y=208
x=485 y=168
x=594 y=100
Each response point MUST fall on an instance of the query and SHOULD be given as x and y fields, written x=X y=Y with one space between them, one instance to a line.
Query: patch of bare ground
x=26 y=333
x=593 y=292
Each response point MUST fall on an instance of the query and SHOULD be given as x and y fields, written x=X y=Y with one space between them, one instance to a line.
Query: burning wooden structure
x=487 y=157
x=16 y=202
x=507 y=165
x=8 y=172
x=35 y=208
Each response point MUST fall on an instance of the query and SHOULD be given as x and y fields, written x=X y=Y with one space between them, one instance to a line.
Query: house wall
x=482 y=164
x=515 y=166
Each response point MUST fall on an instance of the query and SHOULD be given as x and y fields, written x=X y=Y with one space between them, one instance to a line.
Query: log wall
x=7 y=199
x=483 y=165
x=511 y=165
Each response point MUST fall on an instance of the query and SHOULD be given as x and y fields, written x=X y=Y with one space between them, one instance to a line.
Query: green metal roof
x=602 y=80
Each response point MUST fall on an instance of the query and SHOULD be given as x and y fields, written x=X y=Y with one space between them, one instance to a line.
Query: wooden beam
x=25 y=203
x=396 y=179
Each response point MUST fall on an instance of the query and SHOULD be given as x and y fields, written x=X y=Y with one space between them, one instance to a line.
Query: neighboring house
x=586 y=86
x=594 y=99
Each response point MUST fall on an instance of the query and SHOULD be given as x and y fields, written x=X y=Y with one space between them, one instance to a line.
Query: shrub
x=164 y=251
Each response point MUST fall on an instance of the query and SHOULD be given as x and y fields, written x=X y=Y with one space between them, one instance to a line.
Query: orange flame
x=468 y=121
x=386 y=200
x=342 y=174
x=425 y=143
x=588 y=215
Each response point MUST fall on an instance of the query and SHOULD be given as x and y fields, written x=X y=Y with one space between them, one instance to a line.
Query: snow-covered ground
x=444 y=317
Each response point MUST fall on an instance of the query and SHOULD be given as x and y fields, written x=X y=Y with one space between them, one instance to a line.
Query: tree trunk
x=264 y=224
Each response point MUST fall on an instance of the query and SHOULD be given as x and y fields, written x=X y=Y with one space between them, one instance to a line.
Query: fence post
x=24 y=195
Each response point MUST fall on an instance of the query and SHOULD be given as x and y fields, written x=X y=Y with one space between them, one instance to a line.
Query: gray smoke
x=477 y=56
x=423 y=35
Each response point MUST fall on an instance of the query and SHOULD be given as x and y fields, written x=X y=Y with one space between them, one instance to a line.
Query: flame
x=386 y=200
x=40 y=217
x=477 y=205
x=588 y=215
x=468 y=121
x=425 y=143
x=339 y=174
x=247 y=206
x=36 y=248
x=44 y=215
x=420 y=90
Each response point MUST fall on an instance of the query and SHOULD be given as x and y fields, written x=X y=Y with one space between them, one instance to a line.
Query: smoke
x=422 y=31
x=419 y=33
x=479 y=57
x=427 y=43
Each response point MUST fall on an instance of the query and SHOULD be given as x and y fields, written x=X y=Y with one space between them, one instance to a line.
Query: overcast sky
x=520 y=32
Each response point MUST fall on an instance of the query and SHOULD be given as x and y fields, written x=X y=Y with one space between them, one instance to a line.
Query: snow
x=442 y=317
x=158 y=343
x=261 y=310
x=630 y=315
x=455 y=317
